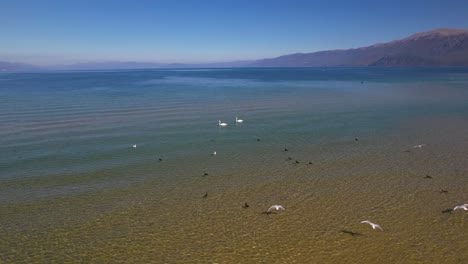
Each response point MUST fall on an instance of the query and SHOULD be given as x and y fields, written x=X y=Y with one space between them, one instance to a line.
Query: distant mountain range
x=13 y=66
x=440 y=47
x=115 y=65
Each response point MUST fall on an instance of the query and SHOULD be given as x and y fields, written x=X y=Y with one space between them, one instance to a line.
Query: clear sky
x=66 y=31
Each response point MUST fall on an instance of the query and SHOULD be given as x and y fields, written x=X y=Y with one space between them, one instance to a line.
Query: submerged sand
x=156 y=220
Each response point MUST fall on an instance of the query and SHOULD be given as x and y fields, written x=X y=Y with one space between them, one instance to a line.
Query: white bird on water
x=419 y=146
x=221 y=124
x=374 y=226
x=239 y=120
x=275 y=207
x=214 y=153
x=134 y=146
x=463 y=206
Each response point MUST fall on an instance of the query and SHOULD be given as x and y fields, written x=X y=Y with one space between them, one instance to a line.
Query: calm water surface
x=74 y=190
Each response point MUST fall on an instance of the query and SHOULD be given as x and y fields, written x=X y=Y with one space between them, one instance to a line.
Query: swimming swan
x=221 y=124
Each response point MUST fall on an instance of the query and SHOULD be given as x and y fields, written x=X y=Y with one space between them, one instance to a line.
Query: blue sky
x=61 y=31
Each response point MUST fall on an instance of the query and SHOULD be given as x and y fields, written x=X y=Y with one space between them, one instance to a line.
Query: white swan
x=239 y=120
x=221 y=124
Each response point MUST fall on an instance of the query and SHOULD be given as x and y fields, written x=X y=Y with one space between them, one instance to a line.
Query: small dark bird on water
x=258 y=139
x=245 y=206
x=285 y=149
x=160 y=159
x=289 y=158
x=206 y=195
x=427 y=176
x=297 y=162
x=205 y=174
x=449 y=210
x=350 y=232
x=356 y=139
x=310 y=162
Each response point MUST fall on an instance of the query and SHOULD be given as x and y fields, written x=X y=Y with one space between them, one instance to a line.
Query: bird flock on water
x=277 y=207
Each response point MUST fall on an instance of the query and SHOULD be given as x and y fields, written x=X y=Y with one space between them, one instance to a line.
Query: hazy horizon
x=67 y=32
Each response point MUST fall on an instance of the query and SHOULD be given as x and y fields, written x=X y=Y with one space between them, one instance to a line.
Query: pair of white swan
x=221 y=124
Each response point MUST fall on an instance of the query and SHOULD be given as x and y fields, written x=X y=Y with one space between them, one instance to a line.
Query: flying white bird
x=374 y=226
x=463 y=206
x=134 y=146
x=419 y=146
x=239 y=120
x=275 y=207
x=221 y=124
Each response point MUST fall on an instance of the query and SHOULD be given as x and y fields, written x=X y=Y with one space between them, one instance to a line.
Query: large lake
x=334 y=146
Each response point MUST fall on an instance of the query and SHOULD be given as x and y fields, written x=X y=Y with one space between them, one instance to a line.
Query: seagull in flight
x=275 y=207
x=463 y=206
x=374 y=226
